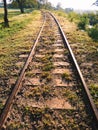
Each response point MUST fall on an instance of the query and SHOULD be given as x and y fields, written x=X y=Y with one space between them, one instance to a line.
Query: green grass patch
x=17 y=39
x=15 y=26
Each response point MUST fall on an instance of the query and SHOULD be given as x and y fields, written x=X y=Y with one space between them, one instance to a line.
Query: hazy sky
x=77 y=4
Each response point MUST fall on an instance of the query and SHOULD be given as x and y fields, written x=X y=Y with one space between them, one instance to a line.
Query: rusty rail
x=92 y=108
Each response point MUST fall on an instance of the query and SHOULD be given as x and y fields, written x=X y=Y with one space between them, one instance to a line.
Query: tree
x=43 y=1
x=21 y=5
x=31 y=4
x=14 y=5
x=6 y=22
x=44 y=4
x=84 y=21
x=48 y=5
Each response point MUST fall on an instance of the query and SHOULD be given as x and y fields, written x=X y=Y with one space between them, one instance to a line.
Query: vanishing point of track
x=60 y=70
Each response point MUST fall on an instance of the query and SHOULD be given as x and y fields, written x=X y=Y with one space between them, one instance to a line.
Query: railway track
x=50 y=92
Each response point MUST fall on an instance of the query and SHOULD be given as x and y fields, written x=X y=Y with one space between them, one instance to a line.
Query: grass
x=46 y=92
x=15 y=25
x=17 y=39
x=46 y=58
x=61 y=13
x=94 y=92
x=48 y=66
x=36 y=93
x=39 y=92
x=1 y=106
x=46 y=76
x=30 y=74
x=66 y=76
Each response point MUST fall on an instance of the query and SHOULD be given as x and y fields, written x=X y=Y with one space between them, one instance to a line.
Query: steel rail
x=14 y=92
x=86 y=90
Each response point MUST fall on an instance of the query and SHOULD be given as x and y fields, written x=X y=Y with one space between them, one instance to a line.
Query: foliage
x=94 y=92
x=61 y=13
x=84 y=21
x=44 y=4
x=73 y=17
x=26 y=4
x=89 y=19
x=93 y=18
x=93 y=32
x=36 y=4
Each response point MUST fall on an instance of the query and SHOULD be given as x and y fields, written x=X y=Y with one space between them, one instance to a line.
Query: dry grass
x=1 y=10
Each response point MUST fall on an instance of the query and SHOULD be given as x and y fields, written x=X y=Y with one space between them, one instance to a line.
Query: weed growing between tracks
x=48 y=119
x=66 y=76
x=94 y=92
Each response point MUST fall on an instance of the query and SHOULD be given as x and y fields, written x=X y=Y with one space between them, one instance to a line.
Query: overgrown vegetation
x=87 y=22
x=93 y=32
x=83 y=22
x=73 y=17
x=1 y=106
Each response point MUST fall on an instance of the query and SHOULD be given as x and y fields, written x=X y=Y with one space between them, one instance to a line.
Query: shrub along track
x=51 y=92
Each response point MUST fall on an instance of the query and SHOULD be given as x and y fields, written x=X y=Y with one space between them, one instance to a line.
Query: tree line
x=21 y=4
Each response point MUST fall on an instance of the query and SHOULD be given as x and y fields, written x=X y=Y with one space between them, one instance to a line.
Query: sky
x=76 y=4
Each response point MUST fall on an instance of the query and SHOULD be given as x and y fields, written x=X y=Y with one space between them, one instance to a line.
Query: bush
x=93 y=18
x=84 y=21
x=93 y=32
x=73 y=17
